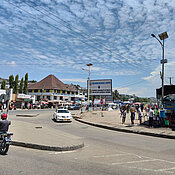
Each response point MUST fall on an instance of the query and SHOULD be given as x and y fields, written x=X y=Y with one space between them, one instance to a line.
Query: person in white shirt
x=151 y=115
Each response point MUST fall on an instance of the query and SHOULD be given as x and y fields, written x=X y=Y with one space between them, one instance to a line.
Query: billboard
x=100 y=87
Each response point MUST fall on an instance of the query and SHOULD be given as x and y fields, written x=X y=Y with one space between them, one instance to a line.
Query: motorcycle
x=5 y=142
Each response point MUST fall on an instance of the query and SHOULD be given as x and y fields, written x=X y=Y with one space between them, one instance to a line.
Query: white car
x=62 y=115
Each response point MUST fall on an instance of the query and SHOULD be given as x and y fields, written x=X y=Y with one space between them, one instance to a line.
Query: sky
x=60 y=37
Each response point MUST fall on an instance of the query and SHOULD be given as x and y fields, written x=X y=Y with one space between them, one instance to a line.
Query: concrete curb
x=47 y=148
x=27 y=115
x=127 y=130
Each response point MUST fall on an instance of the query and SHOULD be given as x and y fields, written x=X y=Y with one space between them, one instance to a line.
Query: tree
x=25 y=84
x=15 y=90
x=21 y=85
x=11 y=81
x=116 y=95
x=3 y=84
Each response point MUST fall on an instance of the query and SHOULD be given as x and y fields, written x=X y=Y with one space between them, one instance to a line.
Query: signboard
x=9 y=93
x=100 y=87
x=24 y=96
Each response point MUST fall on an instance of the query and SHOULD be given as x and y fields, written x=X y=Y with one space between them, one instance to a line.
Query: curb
x=27 y=115
x=127 y=130
x=47 y=148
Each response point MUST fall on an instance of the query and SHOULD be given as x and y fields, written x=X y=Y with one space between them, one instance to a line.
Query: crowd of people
x=140 y=111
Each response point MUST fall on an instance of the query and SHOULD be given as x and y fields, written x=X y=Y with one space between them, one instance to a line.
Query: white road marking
x=146 y=159
x=111 y=155
x=147 y=169
x=137 y=161
x=62 y=152
x=166 y=169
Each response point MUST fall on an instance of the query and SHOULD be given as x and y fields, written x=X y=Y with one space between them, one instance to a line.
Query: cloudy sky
x=60 y=37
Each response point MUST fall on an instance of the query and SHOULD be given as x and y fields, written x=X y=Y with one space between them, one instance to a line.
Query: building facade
x=53 y=90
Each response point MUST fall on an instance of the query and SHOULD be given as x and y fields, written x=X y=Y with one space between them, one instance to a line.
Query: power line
x=131 y=84
x=69 y=27
x=124 y=62
x=52 y=25
x=68 y=24
x=61 y=29
x=134 y=83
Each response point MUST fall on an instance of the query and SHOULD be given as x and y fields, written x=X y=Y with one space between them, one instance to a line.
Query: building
x=53 y=90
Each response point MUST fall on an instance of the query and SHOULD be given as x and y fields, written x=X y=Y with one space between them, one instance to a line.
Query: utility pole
x=170 y=80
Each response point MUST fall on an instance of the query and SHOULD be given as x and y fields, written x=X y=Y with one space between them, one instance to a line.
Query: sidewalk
x=112 y=120
x=41 y=137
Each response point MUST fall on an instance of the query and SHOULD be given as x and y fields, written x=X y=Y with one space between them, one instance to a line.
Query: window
x=38 y=98
x=48 y=97
x=55 y=97
x=62 y=111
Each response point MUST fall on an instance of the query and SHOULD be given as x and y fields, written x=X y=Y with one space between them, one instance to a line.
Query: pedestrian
x=151 y=115
x=142 y=107
x=140 y=116
x=156 y=113
x=128 y=108
x=123 y=116
x=132 y=110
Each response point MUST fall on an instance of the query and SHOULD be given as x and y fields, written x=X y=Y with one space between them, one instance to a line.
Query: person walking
x=140 y=116
x=156 y=113
x=151 y=115
x=132 y=110
x=142 y=107
x=123 y=116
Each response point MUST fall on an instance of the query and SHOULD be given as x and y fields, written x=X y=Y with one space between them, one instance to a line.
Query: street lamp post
x=89 y=65
x=162 y=36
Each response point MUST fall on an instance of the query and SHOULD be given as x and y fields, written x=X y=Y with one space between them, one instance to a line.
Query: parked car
x=62 y=115
x=74 y=107
x=62 y=107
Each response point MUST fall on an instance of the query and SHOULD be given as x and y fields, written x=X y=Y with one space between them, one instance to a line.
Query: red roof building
x=52 y=89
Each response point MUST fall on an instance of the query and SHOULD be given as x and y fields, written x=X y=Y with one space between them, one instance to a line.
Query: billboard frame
x=100 y=80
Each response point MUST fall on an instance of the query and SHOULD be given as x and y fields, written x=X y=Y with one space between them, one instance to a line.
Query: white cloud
x=113 y=35
x=75 y=80
x=125 y=90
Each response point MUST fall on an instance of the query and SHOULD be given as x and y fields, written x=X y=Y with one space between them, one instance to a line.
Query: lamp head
x=90 y=64
x=153 y=35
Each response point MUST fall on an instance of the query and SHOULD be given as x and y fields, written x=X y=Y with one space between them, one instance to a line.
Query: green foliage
x=142 y=100
x=11 y=81
x=33 y=81
x=116 y=95
x=25 y=84
x=15 y=90
x=21 y=85
x=3 y=84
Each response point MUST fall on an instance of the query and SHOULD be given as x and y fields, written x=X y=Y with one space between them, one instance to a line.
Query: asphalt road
x=105 y=152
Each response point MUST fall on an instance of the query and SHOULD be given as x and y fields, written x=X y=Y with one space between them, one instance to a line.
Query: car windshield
x=62 y=111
